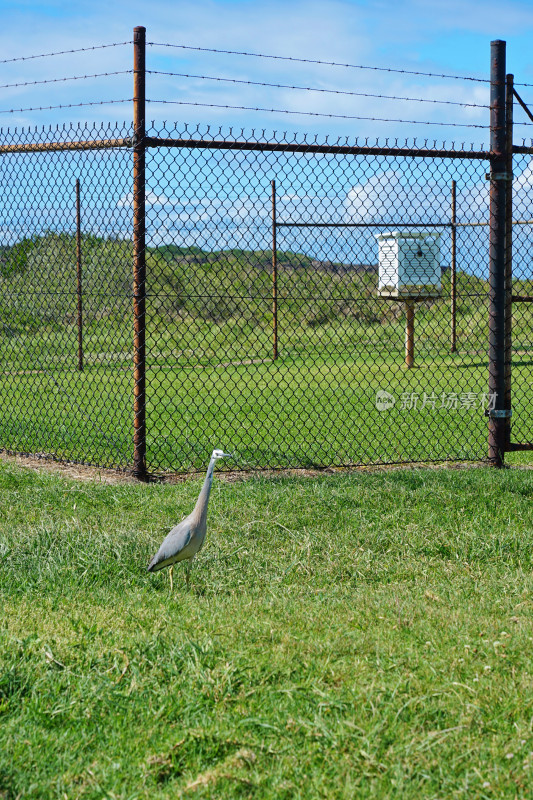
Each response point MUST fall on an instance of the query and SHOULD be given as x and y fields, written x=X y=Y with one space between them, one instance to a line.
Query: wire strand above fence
x=324 y=63
x=65 y=105
x=316 y=114
x=316 y=89
x=72 y=78
x=63 y=52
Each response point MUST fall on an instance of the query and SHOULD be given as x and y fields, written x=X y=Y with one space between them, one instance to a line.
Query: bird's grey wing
x=172 y=546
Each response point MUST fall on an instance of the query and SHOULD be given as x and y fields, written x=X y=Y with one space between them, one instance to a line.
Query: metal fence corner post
x=453 y=267
x=498 y=414
x=274 y=275
x=509 y=99
x=139 y=253
x=79 y=284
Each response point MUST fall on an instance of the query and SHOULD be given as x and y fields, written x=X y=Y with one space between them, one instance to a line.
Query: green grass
x=352 y=635
x=311 y=412
x=210 y=374
x=295 y=412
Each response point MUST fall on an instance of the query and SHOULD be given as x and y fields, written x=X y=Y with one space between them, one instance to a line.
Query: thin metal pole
x=274 y=274
x=498 y=415
x=524 y=106
x=79 y=276
x=139 y=263
x=509 y=254
x=409 y=333
x=453 y=258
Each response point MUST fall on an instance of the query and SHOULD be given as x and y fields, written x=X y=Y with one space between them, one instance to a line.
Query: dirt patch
x=80 y=472
x=84 y=472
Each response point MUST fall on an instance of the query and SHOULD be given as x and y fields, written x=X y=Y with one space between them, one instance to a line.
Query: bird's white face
x=220 y=454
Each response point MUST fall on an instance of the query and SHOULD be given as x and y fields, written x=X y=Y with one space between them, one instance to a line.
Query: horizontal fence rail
x=58 y=147
x=325 y=149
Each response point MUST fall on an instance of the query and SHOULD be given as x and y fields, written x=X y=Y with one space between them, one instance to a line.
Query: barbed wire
x=66 y=105
x=317 y=114
x=63 y=52
x=72 y=78
x=314 y=89
x=317 y=61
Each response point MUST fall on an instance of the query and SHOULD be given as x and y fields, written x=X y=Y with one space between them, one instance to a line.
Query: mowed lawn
x=348 y=635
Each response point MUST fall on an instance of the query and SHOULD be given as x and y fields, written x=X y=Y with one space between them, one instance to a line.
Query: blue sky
x=443 y=36
x=189 y=202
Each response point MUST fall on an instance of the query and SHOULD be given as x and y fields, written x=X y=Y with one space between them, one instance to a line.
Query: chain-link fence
x=170 y=289
x=49 y=406
x=282 y=315
x=299 y=360
x=521 y=322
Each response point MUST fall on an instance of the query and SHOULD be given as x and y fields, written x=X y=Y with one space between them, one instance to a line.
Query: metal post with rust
x=453 y=270
x=274 y=274
x=509 y=98
x=79 y=277
x=409 y=333
x=139 y=262
x=499 y=415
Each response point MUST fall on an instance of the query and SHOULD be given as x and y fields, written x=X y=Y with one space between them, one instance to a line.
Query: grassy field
x=290 y=413
x=210 y=374
x=295 y=412
x=350 y=635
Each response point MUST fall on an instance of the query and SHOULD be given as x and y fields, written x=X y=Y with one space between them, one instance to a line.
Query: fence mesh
x=522 y=287
x=317 y=378
x=212 y=373
x=49 y=406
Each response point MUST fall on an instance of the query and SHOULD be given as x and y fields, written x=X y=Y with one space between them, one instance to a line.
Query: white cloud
x=525 y=179
x=151 y=199
x=392 y=195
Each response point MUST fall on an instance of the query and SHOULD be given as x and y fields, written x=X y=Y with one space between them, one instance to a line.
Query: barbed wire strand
x=317 y=114
x=66 y=105
x=254 y=108
x=317 y=61
x=63 y=52
x=72 y=78
x=314 y=89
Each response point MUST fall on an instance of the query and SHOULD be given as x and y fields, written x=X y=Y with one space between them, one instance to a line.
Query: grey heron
x=187 y=538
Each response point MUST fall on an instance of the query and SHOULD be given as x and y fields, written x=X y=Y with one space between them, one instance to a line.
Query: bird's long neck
x=200 y=508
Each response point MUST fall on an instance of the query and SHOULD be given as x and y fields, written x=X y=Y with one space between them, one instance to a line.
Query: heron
x=186 y=539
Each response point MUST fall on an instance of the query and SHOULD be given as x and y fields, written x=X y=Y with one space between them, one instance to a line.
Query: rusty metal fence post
x=453 y=268
x=139 y=255
x=79 y=277
x=409 y=333
x=509 y=254
x=499 y=415
x=274 y=275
